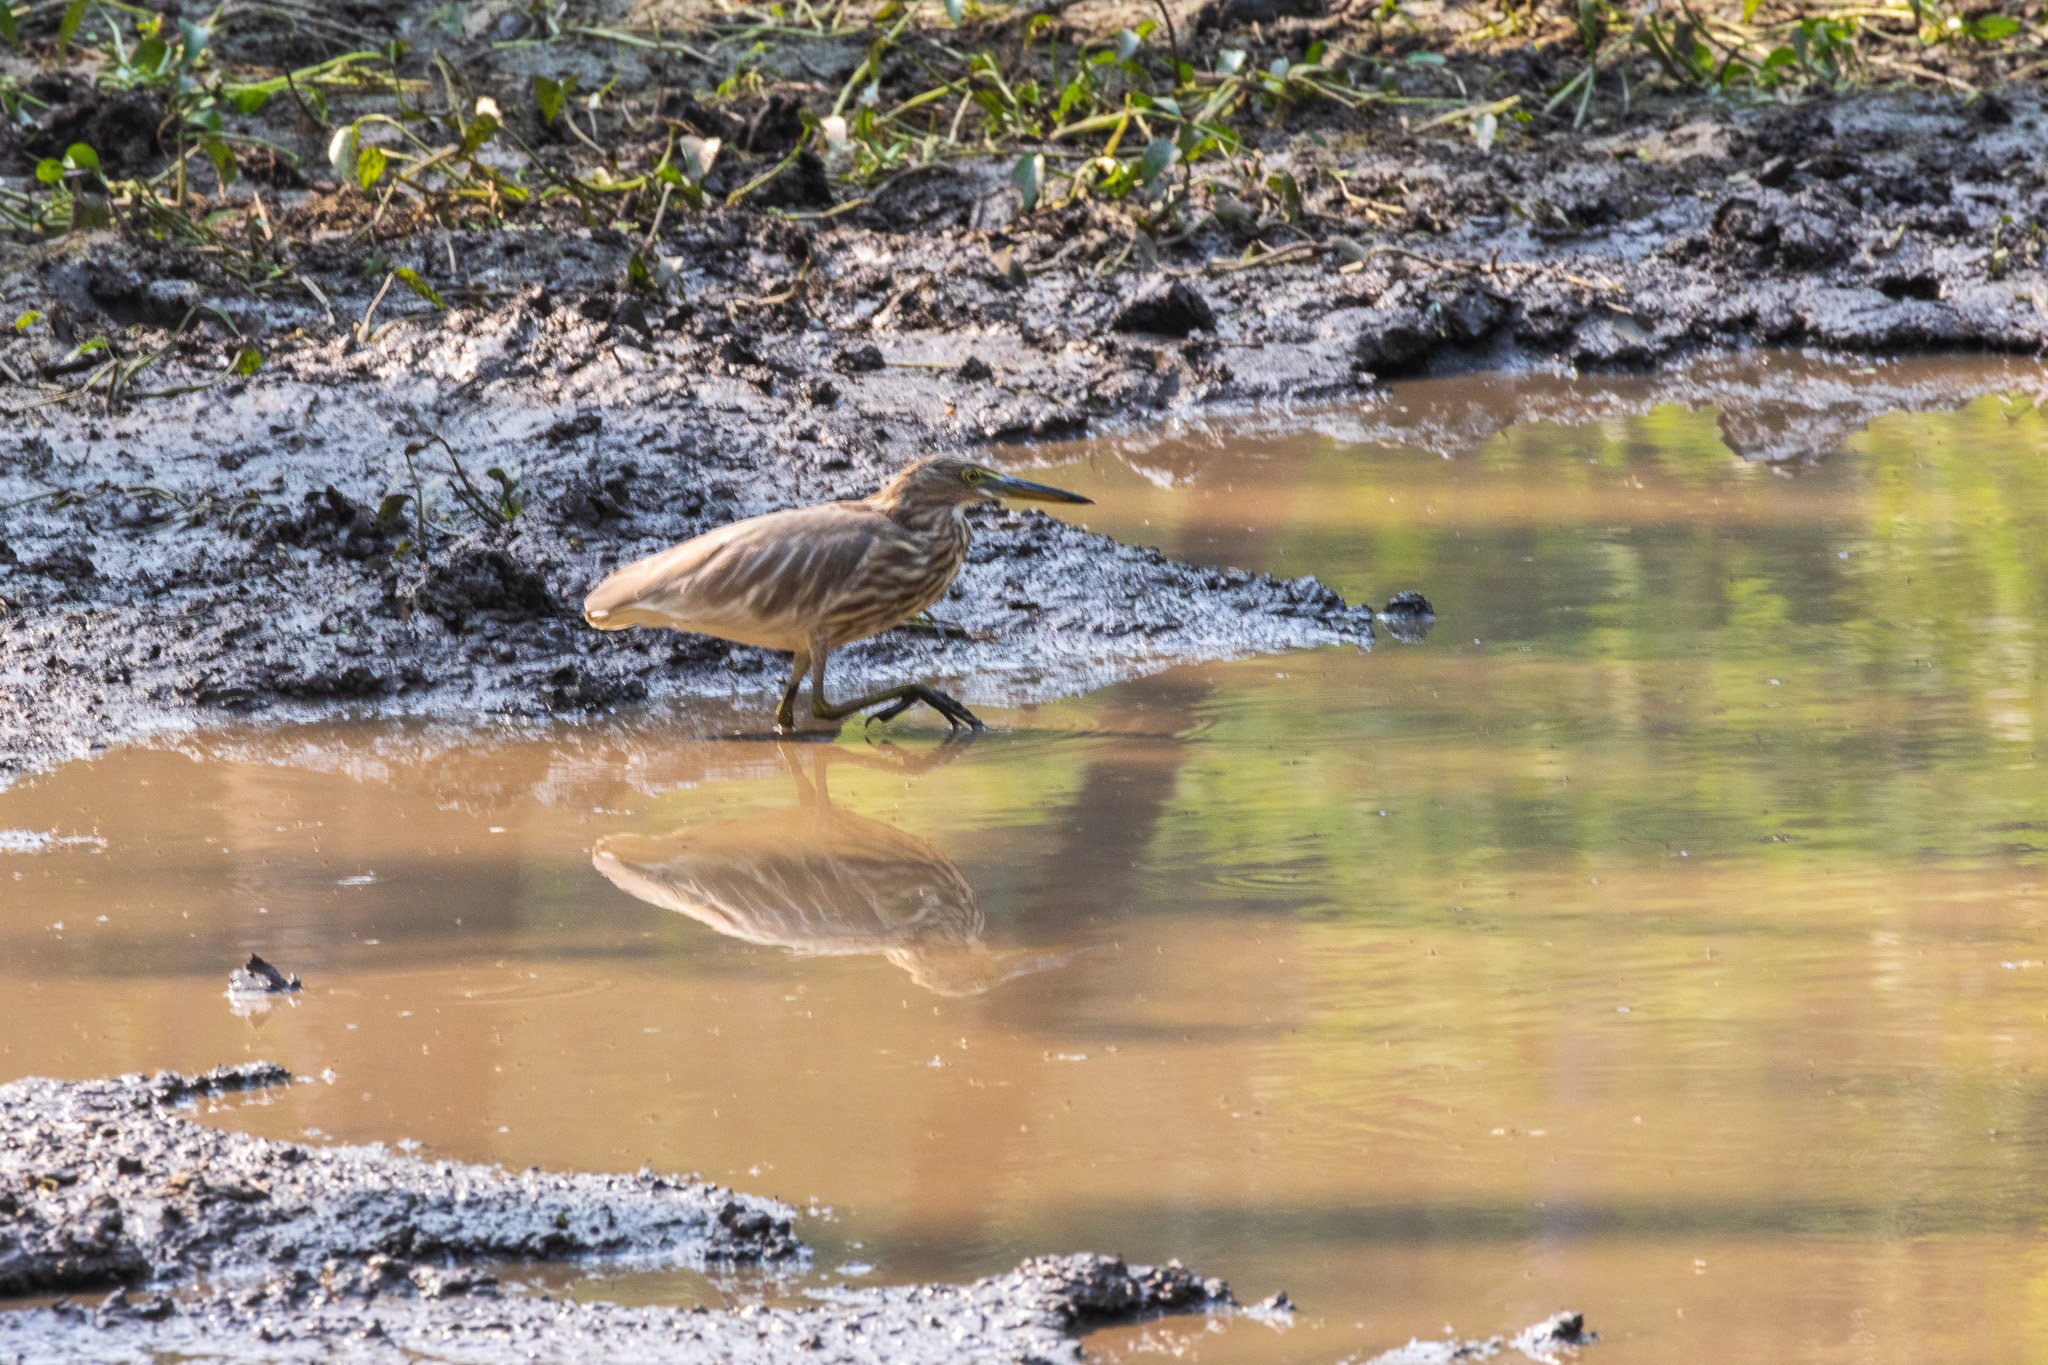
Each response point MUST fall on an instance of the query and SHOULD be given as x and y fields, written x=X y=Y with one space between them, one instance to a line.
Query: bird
x=807 y=580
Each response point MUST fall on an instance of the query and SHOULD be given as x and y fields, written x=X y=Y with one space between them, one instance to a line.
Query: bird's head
x=943 y=481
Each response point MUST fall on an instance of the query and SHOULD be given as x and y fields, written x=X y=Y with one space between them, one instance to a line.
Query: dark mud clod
x=1174 y=311
x=258 y=977
x=1408 y=604
x=864 y=358
x=1408 y=617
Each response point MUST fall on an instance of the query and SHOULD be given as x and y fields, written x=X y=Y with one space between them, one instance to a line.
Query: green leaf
x=370 y=163
x=27 y=320
x=67 y=27
x=393 y=507
x=1230 y=61
x=550 y=95
x=50 y=170
x=1990 y=28
x=248 y=99
x=1288 y=190
x=223 y=158
x=955 y=11
x=149 y=55
x=195 y=40
x=511 y=498
x=8 y=29
x=479 y=131
x=1028 y=175
x=410 y=278
x=1749 y=9
x=80 y=157
x=1127 y=44
x=248 y=360
x=1158 y=157
x=91 y=211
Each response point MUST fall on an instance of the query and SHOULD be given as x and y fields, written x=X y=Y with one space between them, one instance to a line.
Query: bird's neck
x=922 y=518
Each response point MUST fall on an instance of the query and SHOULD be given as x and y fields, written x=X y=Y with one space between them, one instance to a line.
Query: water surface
x=1662 y=937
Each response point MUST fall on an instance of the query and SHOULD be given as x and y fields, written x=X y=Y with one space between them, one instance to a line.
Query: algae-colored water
x=1662 y=937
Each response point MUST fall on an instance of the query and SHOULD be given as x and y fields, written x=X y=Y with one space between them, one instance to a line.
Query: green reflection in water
x=1643 y=644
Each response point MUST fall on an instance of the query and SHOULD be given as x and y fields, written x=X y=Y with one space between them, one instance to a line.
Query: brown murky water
x=1663 y=937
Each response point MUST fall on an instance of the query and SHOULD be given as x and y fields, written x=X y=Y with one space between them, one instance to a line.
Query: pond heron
x=810 y=579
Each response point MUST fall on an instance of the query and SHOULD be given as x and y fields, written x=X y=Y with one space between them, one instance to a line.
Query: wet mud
x=1034 y=1313
x=228 y=1247
x=328 y=536
x=1556 y=1338
x=109 y=1183
x=306 y=1253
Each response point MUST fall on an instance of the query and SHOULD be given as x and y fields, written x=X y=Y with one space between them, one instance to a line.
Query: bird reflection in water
x=817 y=880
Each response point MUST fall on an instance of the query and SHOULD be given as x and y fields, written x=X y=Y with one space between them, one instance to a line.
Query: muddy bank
x=110 y=1183
x=1027 y=1317
x=223 y=1246
x=1554 y=1339
x=1034 y=1313
x=329 y=536
x=357 y=1253
x=227 y=561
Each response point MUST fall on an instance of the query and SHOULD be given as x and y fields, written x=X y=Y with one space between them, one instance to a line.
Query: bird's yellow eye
x=973 y=474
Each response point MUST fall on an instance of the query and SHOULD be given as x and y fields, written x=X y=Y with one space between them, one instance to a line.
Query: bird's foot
x=957 y=716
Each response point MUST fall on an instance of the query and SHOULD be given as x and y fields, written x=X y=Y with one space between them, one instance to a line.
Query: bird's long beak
x=1003 y=486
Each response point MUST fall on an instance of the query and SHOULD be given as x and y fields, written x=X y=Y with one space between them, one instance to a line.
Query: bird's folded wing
x=767 y=580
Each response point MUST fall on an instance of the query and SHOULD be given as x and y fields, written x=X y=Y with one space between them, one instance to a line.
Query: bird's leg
x=785 y=712
x=894 y=701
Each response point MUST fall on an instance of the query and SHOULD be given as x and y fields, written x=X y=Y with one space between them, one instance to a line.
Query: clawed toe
x=956 y=716
x=891 y=711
